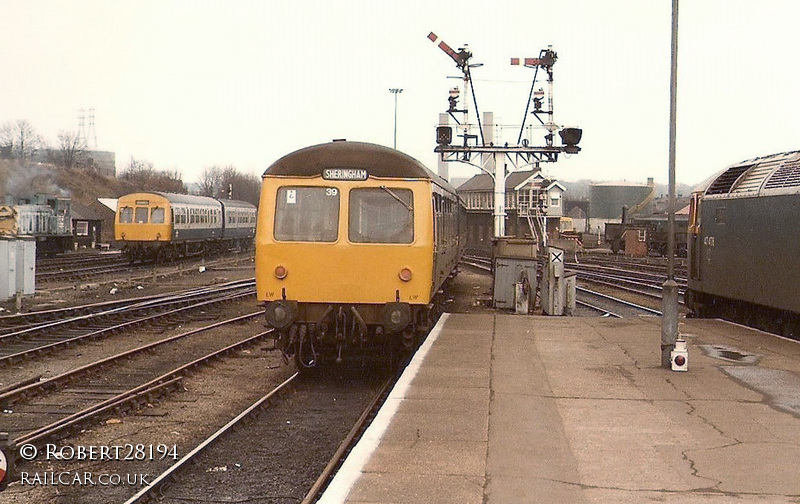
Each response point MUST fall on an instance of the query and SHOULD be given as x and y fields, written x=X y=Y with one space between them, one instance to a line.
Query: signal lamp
x=405 y=274
x=444 y=135
x=280 y=272
x=680 y=356
x=570 y=137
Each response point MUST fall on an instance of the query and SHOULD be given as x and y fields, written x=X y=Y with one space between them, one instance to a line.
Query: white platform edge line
x=353 y=466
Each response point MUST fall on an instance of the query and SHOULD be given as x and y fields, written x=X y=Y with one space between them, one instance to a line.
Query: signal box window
x=125 y=215
x=157 y=216
x=81 y=228
x=141 y=215
x=381 y=215
x=309 y=214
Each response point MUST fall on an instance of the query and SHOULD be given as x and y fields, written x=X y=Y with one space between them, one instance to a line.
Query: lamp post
x=669 y=297
x=395 y=92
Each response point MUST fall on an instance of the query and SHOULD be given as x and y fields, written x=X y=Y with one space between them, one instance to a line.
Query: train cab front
x=337 y=302
x=344 y=263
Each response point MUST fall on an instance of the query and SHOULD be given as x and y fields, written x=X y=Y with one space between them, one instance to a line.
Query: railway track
x=637 y=283
x=655 y=265
x=37 y=411
x=295 y=475
x=70 y=261
x=84 y=267
x=611 y=306
x=28 y=335
x=40 y=412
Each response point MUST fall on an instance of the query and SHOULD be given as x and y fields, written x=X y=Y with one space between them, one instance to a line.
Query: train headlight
x=281 y=314
x=396 y=316
x=405 y=274
x=281 y=272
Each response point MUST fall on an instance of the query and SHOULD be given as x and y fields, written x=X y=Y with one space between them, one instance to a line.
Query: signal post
x=477 y=145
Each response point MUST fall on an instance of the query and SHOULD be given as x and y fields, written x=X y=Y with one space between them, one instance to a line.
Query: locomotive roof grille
x=787 y=175
x=725 y=181
x=776 y=172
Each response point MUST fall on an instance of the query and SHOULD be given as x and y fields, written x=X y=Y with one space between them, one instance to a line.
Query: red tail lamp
x=281 y=272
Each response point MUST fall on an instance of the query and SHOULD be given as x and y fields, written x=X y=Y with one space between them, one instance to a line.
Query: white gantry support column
x=494 y=164
x=443 y=167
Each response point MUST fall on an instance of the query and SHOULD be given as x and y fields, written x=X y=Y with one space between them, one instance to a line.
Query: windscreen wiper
x=398 y=198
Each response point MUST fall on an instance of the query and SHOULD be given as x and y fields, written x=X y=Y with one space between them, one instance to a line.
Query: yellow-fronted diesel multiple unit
x=156 y=226
x=354 y=245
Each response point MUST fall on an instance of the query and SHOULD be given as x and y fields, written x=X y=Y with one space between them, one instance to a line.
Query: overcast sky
x=190 y=84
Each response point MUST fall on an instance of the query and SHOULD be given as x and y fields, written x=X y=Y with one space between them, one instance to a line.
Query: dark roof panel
x=379 y=161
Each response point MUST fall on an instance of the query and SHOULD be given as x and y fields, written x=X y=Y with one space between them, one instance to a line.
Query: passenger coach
x=157 y=226
x=354 y=246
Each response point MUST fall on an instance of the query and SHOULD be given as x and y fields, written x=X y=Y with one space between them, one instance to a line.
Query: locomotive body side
x=744 y=256
x=746 y=249
x=47 y=219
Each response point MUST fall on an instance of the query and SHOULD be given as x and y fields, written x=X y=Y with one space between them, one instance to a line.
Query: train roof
x=236 y=203
x=762 y=176
x=177 y=198
x=378 y=160
x=192 y=199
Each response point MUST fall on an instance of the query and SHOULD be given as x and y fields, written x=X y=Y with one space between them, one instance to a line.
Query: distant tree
x=170 y=181
x=210 y=181
x=142 y=176
x=138 y=172
x=71 y=149
x=18 y=140
x=239 y=186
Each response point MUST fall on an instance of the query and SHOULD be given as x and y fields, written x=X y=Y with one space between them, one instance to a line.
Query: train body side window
x=309 y=214
x=140 y=215
x=125 y=215
x=157 y=215
x=381 y=215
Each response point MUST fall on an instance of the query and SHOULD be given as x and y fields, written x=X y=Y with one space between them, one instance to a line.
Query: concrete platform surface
x=513 y=409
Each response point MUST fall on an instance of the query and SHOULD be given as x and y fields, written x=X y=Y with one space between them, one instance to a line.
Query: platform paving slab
x=516 y=409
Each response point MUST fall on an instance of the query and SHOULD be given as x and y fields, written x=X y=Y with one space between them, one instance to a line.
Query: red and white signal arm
x=3 y=467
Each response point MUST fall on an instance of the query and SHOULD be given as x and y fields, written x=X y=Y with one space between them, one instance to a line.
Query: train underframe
x=317 y=334
x=165 y=252
x=777 y=321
